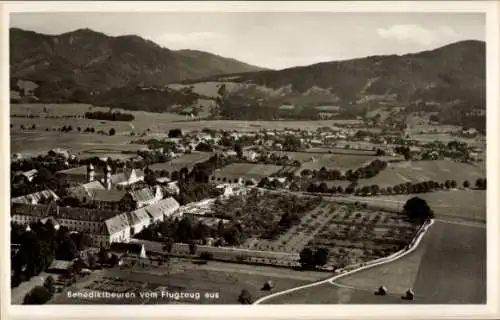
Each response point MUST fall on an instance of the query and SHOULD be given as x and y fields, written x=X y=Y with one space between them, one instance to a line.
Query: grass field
x=186 y=160
x=460 y=204
x=221 y=279
x=449 y=268
x=339 y=162
x=246 y=171
x=437 y=170
x=39 y=141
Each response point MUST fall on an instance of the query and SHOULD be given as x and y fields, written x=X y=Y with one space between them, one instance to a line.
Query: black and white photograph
x=232 y=157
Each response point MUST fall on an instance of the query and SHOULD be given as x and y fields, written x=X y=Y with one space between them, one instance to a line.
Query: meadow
x=418 y=171
x=341 y=162
x=448 y=267
x=246 y=171
x=154 y=125
x=185 y=161
x=469 y=205
x=223 y=282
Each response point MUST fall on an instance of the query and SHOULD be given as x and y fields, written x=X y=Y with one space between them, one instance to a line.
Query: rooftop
x=70 y=213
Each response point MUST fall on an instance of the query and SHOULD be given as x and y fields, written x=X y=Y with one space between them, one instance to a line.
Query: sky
x=272 y=39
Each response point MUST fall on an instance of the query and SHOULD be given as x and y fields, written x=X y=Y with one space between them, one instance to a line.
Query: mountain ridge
x=84 y=55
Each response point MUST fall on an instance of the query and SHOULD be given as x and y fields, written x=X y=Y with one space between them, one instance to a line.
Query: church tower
x=107 y=177
x=90 y=173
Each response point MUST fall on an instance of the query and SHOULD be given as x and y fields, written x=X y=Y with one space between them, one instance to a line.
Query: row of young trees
x=403 y=188
x=365 y=172
x=109 y=116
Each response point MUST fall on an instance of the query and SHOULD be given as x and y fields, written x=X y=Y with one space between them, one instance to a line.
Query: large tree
x=418 y=210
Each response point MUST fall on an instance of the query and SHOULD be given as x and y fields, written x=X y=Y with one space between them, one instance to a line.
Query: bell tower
x=107 y=177
x=90 y=172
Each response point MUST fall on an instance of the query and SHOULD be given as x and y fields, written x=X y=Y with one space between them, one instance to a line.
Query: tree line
x=109 y=116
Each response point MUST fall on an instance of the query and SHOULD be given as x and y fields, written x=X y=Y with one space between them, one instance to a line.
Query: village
x=180 y=182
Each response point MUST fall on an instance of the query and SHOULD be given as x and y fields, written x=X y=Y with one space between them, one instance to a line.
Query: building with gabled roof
x=102 y=226
x=146 y=196
x=128 y=177
x=164 y=208
x=138 y=220
x=25 y=176
x=44 y=196
x=83 y=192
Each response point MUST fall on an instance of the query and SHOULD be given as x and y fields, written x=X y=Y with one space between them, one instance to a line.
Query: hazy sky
x=274 y=40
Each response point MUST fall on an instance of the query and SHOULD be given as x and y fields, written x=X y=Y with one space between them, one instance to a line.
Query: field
x=437 y=170
x=351 y=235
x=359 y=235
x=355 y=148
x=223 y=281
x=160 y=122
x=339 y=162
x=36 y=142
x=448 y=268
x=457 y=204
x=186 y=160
x=246 y=171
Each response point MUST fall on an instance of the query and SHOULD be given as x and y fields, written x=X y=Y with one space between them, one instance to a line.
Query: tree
x=175 y=133
x=323 y=187
x=67 y=250
x=49 y=284
x=321 y=257
x=245 y=297
x=204 y=147
x=305 y=172
x=307 y=260
x=481 y=184
x=206 y=255
x=453 y=184
x=192 y=248
x=418 y=210
x=168 y=245
x=39 y=295
x=238 y=149
x=466 y=184
x=112 y=131
x=447 y=184
x=291 y=143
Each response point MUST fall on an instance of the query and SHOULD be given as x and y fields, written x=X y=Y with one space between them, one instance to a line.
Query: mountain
x=93 y=61
x=129 y=72
x=453 y=72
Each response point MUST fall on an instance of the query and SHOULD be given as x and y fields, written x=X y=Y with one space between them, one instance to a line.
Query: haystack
x=382 y=291
x=409 y=294
x=269 y=285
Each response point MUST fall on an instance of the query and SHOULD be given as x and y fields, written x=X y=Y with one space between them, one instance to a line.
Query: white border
x=268 y=311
